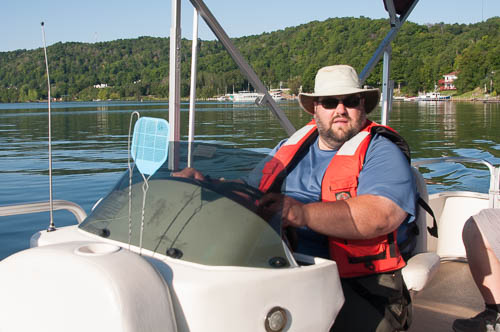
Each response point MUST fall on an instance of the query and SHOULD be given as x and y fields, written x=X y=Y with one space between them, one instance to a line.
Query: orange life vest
x=353 y=257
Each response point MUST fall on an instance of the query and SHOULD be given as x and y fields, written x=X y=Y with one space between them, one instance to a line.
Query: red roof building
x=447 y=83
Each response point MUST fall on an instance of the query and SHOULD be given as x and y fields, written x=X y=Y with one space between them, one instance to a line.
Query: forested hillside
x=138 y=68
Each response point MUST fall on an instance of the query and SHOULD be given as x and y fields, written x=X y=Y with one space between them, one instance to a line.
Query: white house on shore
x=448 y=82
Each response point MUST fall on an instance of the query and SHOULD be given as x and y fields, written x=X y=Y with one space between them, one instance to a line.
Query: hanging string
x=130 y=170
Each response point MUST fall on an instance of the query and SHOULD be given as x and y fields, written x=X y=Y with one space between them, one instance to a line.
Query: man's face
x=338 y=119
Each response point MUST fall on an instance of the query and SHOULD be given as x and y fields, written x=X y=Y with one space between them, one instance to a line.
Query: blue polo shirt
x=386 y=172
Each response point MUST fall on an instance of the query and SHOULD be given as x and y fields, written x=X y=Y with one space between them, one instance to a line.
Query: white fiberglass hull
x=203 y=298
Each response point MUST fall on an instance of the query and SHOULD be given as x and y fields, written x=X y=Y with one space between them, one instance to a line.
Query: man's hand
x=361 y=217
x=292 y=211
x=190 y=173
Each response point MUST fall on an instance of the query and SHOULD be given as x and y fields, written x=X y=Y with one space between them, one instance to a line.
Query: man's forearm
x=362 y=217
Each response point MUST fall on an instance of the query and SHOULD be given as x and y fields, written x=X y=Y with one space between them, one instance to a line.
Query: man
x=481 y=236
x=349 y=192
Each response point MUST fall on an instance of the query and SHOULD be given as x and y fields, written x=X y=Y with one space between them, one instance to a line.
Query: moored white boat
x=245 y=97
x=432 y=96
x=277 y=94
x=226 y=97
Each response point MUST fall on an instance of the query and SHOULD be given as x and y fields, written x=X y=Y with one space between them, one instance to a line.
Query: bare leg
x=484 y=265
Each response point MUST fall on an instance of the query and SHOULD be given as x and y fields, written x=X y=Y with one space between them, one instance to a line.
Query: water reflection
x=436 y=129
x=91 y=138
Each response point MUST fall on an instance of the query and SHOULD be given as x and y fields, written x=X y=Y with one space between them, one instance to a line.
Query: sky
x=104 y=20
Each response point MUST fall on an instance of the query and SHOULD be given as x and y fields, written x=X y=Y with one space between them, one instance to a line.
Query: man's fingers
x=269 y=199
x=269 y=204
x=190 y=173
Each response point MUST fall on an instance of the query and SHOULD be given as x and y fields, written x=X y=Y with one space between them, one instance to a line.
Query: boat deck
x=451 y=294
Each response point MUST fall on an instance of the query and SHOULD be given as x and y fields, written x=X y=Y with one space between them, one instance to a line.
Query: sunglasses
x=332 y=103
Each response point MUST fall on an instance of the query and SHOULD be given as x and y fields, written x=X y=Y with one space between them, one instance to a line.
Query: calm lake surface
x=89 y=144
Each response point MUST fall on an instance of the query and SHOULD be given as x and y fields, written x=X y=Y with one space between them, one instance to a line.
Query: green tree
x=137 y=68
x=103 y=94
x=32 y=95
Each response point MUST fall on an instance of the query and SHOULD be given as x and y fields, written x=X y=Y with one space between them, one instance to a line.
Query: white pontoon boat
x=177 y=254
x=432 y=96
x=246 y=97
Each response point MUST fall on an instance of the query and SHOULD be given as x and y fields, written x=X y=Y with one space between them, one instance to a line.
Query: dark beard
x=335 y=139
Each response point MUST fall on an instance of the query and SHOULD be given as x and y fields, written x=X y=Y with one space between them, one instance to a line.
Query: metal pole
x=386 y=87
x=495 y=189
x=392 y=12
x=386 y=41
x=174 y=103
x=18 y=209
x=192 y=95
x=242 y=64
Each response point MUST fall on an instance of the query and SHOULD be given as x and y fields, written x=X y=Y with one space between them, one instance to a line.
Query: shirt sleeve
x=386 y=172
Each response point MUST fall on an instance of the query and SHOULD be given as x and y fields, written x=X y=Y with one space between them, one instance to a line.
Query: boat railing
x=494 y=189
x=37 y=207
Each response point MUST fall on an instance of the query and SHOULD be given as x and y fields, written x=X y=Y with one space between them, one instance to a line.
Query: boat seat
x=422 y=265
x=419 y=270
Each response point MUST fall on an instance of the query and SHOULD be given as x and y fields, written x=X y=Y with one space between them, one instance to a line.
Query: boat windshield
x=206 y=222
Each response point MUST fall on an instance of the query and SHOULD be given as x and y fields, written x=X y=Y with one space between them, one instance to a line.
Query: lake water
x=90 y=147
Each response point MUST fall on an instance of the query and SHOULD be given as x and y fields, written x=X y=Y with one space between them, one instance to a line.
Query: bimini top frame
x=394 y=7
x=404 y=8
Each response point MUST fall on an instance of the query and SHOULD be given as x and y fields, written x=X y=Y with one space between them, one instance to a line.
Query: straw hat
x=336 y=81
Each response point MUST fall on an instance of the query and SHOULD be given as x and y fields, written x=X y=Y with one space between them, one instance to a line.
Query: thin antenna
x=52 y=227
x=482 y=11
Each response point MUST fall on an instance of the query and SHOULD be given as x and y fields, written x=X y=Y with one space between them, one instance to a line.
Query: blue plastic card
x=150 y=144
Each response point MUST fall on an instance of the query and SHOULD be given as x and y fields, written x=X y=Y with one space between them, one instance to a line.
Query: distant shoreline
x=492 y=100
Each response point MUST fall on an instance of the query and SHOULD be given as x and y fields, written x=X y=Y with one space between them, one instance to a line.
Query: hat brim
x=372 y=98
